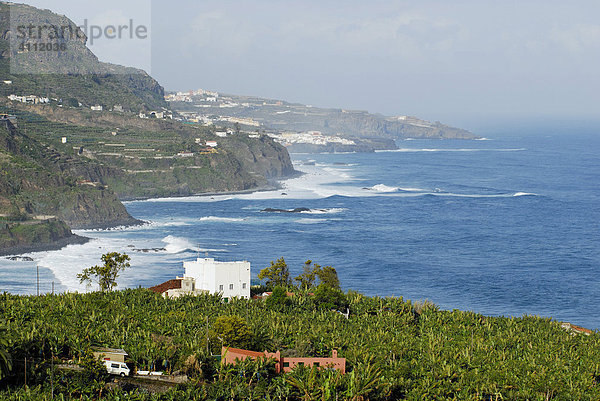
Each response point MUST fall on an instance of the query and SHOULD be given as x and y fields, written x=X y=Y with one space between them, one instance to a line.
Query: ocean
x=504 y=226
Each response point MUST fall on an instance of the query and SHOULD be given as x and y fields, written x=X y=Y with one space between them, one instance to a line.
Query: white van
x=116 y=368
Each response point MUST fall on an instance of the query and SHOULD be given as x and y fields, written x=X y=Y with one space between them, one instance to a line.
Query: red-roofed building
x=284 y=364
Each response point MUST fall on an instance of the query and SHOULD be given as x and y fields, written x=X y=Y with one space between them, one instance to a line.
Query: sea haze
x=506 y=226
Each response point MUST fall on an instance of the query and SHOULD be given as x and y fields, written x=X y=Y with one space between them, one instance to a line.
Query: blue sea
x=504 y=226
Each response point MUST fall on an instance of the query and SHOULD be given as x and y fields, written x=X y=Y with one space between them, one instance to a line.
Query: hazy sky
x=453 y=61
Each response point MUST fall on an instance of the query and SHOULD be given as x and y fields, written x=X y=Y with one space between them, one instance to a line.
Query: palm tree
x=363 y=379
x=5 y=358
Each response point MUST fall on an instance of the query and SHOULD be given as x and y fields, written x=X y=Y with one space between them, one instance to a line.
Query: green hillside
x=37 y=179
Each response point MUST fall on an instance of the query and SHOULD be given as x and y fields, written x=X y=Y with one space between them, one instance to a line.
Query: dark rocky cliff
x=75 y=75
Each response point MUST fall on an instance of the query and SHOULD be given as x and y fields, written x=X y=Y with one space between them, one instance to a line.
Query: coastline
x=75 y=239
x=51 y=246
x=272 y=185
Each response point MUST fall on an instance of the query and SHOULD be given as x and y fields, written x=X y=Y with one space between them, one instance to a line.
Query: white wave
x=483 y=139
x=221 y=219
x=177 y=244
x=310 y=221
x=457 y=195
x=67 y=262
x=411 y=189
x=331 y=210
x=185 y=199
x=449 y=150
x=149 y=225
x=383 y=188
x=174 y=224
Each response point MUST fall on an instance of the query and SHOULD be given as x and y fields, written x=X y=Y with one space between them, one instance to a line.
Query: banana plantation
x=395 y=349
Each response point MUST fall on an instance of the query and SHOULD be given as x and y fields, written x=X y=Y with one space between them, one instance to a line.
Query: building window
x=286 y=364
x=221 y=287
x=244 y=286
x=231 y=286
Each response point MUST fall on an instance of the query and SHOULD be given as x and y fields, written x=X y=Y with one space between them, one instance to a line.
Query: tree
x=278 y=274
x=5 y=358
x=278 y=300
x=106 y=274
x=233 y=331
x=327 y=275
x=328 y=298
x=307 y=278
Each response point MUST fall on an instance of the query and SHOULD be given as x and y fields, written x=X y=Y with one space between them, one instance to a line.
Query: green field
x=395 y=349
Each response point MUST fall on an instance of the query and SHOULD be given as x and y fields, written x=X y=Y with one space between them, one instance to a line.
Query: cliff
x=34 y=236
x=76 y=75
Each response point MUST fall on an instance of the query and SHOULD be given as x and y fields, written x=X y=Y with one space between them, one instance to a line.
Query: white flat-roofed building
x=230 y=279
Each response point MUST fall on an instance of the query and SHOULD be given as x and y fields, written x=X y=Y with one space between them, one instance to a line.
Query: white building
x=212 y=144
x=32 y=99
x=230 y=279
x=96 y=107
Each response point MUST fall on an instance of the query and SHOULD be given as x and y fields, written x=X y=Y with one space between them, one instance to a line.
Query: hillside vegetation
x=37 y=179
x=395 y=349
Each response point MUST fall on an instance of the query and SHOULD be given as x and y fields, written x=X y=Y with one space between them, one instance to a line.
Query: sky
x=459 y=61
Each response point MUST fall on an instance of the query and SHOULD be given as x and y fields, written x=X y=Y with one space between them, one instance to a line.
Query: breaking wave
x=178 y=244
x=221 y=219
x=383 y=188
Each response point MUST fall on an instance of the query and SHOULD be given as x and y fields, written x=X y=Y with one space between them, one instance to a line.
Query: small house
x=110 y=354
x=284 y=364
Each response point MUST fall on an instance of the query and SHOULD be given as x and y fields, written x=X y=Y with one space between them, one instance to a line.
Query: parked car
x=117 y=368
